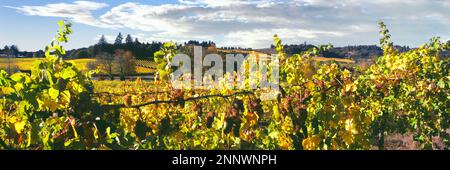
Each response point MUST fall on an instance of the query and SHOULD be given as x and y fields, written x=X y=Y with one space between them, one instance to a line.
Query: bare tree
x=105 y=63
x=124 y=62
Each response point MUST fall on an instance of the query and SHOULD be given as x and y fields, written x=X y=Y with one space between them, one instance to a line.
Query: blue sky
x=31 y=24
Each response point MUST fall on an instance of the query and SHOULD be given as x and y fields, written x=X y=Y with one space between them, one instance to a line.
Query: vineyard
x=27 y=63
x=321 y=106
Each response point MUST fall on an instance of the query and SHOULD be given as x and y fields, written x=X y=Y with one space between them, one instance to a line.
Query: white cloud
x=146 y=17
x=263 y=37
x=221 y=3
x=326 y=3
x=253 y=22
x=78 y=11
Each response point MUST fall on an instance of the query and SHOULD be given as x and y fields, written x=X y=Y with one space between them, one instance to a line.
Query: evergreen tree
x=119 y=39
x=6 y=49
x=136 y=41
x=128 y=40
x=102 y=40
x=14 y=50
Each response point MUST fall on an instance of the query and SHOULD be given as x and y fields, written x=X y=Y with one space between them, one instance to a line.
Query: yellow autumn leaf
x=332 y=124
x=346 y=73
x=19 y=126
x=252 y=118
x=310 y=85
x=7 y=90
x=13 y=119
x=287 y=125
x=347 y=137
x=350 y=87
x=350 y=126
x=285 y=143
x=64 y=100
x=18 y=86
x=276 y=112
x=46 y=103
x=311 y=143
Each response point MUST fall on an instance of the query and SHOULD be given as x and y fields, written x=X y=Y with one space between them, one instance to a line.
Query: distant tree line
x=133 y=45
x=13 y=51
x=145 y=50
x=139 y=50
x=204 y=44
x=296 y=48
x=351 y=52
x=361 y=51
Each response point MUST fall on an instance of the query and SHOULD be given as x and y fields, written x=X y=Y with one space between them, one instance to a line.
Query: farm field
x=340 y=60
x=27 y=63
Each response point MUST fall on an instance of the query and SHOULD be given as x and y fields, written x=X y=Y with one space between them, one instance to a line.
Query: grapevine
x=320 y=106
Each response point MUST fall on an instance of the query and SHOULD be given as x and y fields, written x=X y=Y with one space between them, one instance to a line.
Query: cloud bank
x=252 y=23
